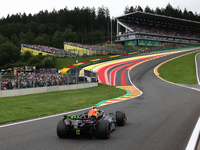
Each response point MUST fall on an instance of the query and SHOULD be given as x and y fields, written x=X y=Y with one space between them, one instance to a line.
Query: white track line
x=195 y=134
x=197 y=72
x=46 y=117
x=132 y=82
x=194 y=137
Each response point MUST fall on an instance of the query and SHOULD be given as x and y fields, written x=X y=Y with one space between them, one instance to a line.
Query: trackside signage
x=134 y=42
x=149 y=43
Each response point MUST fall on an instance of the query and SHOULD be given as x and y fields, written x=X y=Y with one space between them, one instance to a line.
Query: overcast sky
x=116 y=7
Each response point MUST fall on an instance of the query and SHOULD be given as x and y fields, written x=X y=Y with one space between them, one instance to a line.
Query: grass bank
x=37 y=105
x=180 y=70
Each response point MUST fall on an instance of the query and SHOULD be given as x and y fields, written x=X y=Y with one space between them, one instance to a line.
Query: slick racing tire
x=120 y=118
x=103 y=129
x=62 y=130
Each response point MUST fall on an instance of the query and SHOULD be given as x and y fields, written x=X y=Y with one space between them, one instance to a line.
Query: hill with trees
x=81 y=25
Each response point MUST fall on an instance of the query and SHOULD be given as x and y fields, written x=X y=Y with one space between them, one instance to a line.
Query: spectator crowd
x=56 y=51
x=47 y=49
x=31 y=80
x=93 y=47
x=155 y=29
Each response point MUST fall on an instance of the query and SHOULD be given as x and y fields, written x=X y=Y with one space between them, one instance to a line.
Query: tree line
x=81 y=25
x=169 y=10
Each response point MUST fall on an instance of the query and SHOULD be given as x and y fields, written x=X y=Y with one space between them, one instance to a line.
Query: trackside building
x=145 y=29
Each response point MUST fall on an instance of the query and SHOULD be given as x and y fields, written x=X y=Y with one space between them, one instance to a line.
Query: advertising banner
x=142 y=42
x=149 y=43
x=134 y=42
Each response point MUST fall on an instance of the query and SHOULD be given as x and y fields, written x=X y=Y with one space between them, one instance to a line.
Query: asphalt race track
x=162 y=118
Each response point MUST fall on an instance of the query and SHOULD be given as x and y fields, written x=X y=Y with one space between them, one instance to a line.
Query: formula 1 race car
x=100 y=125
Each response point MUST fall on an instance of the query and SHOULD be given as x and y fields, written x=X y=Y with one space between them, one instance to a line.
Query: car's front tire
x=120 y=118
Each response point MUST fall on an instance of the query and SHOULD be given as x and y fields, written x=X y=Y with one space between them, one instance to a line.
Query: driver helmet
x=94 y=107
x=93 y=111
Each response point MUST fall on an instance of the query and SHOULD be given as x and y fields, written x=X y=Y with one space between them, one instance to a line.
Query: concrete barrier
x=10 y=93
x=40 y=90
x=52 y=89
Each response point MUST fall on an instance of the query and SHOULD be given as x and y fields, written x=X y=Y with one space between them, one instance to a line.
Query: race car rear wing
x=73 y=117
x=80 y=117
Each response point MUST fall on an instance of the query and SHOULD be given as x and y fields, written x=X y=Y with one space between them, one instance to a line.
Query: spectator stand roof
x=159 y=18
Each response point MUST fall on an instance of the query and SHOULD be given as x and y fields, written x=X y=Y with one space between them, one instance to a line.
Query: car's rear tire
x=62 y=130
x=120 y=118
x=103 y=129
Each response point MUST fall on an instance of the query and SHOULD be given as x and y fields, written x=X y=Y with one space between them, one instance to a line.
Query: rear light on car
x=67 y=122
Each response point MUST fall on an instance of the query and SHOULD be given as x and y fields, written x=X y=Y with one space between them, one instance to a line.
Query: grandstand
x=46 y=50
x=71 y=50
x=152 y=30
x=89 y=50
x=34 y=50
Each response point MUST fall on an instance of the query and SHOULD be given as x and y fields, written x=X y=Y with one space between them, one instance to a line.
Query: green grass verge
x=180 y=70
x=37 y=105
